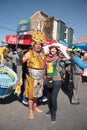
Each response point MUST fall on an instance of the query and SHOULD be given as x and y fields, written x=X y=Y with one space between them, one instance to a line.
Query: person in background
x=20 y=87
x=77 y=67
x=84 y=76
x=53 y=71
x=36 y=60
x=0 y=59
x=8 y=57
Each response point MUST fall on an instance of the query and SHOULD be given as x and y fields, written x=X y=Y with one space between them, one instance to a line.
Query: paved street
x=14 y=115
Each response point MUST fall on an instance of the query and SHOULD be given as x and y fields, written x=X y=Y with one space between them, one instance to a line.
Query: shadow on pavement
x=68 y=86
x=68 y=90
x=11 y=98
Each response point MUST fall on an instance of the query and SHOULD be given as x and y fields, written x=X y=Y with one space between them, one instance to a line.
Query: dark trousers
x=52 y=97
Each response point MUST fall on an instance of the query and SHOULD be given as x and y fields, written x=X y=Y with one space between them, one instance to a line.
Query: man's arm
x=79 y=62
x=25 y=57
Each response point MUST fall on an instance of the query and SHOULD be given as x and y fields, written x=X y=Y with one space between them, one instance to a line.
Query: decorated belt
x=36 y=73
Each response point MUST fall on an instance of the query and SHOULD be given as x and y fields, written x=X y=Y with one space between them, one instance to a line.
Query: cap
x=73 y=49
x=76 y=50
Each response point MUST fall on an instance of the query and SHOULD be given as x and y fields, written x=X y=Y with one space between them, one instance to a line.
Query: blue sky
x=72 y=12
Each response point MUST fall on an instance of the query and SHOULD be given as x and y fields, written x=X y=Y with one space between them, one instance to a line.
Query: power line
x=5 y=28
x=5 y=24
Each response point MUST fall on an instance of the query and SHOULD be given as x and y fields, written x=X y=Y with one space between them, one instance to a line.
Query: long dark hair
x=55 y=48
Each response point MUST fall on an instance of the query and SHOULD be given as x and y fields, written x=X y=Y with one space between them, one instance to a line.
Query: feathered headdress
x=38 y=37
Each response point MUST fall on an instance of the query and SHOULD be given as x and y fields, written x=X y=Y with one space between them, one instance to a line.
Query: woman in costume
x=36 y=60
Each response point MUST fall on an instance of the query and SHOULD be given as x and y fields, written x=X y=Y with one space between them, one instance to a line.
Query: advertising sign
x=22 y=39
x=23 y=28
x=24 y=21
x=11 y=39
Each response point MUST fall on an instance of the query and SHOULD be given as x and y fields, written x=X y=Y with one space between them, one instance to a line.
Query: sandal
x=31 y=115
x=38 y=110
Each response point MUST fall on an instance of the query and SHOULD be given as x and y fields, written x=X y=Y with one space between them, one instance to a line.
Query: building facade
x=53 y=28
x=61 y=28
x=69 y=35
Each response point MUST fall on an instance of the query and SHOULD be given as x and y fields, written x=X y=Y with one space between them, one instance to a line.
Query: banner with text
x=22 y=39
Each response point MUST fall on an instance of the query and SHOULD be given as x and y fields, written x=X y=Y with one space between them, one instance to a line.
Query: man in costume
x=36 y=60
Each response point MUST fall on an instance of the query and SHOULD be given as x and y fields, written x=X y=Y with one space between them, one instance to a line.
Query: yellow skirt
x=29 y=87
